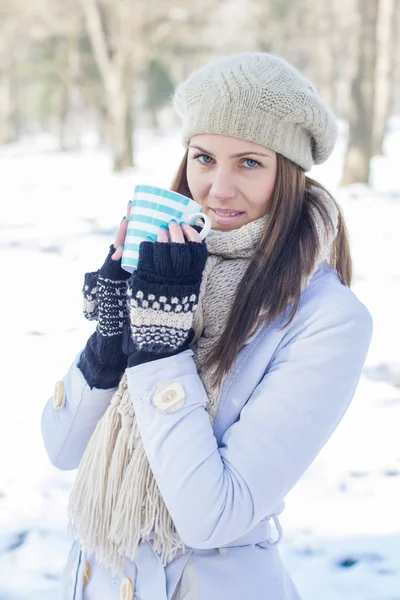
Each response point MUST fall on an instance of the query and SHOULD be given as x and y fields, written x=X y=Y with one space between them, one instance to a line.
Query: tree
x=361 y=112
x=112 y=29
x=12 y=28
x=159 y=89
x=384 y=68
x=125 y=37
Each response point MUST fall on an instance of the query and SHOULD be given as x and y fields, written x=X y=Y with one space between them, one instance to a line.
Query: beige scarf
x=115 y=502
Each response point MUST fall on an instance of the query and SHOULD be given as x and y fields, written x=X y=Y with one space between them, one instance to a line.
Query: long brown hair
x=286 y=254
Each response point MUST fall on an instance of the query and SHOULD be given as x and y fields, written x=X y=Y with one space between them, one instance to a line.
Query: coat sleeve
x=217 y=494
x=68 y=427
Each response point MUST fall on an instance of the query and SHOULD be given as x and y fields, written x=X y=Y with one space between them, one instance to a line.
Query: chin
x=219 y=227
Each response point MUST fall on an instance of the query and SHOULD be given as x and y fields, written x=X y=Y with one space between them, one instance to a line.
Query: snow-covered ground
x=59 y=213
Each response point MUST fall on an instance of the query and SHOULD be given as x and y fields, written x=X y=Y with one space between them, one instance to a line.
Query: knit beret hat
x=258 y=97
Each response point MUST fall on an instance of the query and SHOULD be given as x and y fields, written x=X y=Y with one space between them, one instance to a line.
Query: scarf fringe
x=132 y=521
x=106 y=511
x=85 y=507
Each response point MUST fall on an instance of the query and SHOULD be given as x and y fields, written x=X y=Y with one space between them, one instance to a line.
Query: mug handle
x=207 y=223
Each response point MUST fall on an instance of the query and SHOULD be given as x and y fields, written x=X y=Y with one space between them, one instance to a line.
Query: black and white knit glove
x=163 y=294
x=103 y=360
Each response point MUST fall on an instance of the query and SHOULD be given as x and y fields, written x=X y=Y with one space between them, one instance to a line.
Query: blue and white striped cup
x=152 y=207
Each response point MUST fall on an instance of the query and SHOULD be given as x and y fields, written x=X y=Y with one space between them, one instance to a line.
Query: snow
x=59 y=214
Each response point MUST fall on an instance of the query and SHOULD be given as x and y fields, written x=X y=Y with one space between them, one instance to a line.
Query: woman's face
x=227 y=175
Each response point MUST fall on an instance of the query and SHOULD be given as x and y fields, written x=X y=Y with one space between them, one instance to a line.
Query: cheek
x=197 y=185
x=259 y=195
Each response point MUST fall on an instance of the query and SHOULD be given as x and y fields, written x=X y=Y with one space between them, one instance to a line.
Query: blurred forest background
x=92 y=71
x=85 y=91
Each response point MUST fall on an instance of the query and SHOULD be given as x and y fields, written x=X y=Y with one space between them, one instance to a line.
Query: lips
x=226 y=216
x=227 y=213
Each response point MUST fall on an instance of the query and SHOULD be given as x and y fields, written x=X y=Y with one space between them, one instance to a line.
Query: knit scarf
x=115 y=502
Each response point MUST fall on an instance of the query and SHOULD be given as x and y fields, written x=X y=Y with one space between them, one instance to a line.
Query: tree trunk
x=360 y=142
x=154 y=118
x=116 y=72
x=385 y=33
x=119 y=127
x=6 y=134
x=63 y=118
x=10 y=125
x=395 y=90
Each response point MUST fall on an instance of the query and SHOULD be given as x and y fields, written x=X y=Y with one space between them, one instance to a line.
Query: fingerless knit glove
x=103 y=360
x=163 y=294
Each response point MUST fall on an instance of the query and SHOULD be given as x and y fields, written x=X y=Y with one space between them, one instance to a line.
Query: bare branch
x=98 y=39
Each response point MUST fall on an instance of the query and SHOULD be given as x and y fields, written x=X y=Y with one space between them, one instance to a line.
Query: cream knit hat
x=258 y=97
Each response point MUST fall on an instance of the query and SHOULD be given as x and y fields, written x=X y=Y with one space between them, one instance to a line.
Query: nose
x=222 y=187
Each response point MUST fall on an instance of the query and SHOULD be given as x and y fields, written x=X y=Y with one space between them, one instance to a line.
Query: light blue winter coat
x=225 y=486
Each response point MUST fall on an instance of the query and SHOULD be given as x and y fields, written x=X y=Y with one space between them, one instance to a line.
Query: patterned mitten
x=163 y=293
x=104 y=299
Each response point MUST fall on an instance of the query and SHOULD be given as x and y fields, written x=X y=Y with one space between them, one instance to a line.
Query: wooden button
x=169 y=397
x=58 y=397
x=126 y=589
x=86 y=574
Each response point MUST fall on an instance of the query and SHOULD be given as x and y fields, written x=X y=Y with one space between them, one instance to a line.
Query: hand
x=177 y=233
x=164 y=291
x=104 y=358
x=104 y=291
x=121 y=235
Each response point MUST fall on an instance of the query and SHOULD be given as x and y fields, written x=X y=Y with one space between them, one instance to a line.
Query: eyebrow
x=239 y=155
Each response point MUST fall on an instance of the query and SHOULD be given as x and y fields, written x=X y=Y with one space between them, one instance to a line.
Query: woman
x=189 y=429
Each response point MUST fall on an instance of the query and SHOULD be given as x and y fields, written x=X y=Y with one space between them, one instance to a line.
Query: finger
x=191 y=234
x=163 y=235
x=118 y=253
x=121 y=233
x=123 y=226
x=176 y=233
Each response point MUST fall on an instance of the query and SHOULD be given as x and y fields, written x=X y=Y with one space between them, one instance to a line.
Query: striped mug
x=152 y=207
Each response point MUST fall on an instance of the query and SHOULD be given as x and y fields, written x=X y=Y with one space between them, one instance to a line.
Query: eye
x=252 y=164
x=203 y=158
